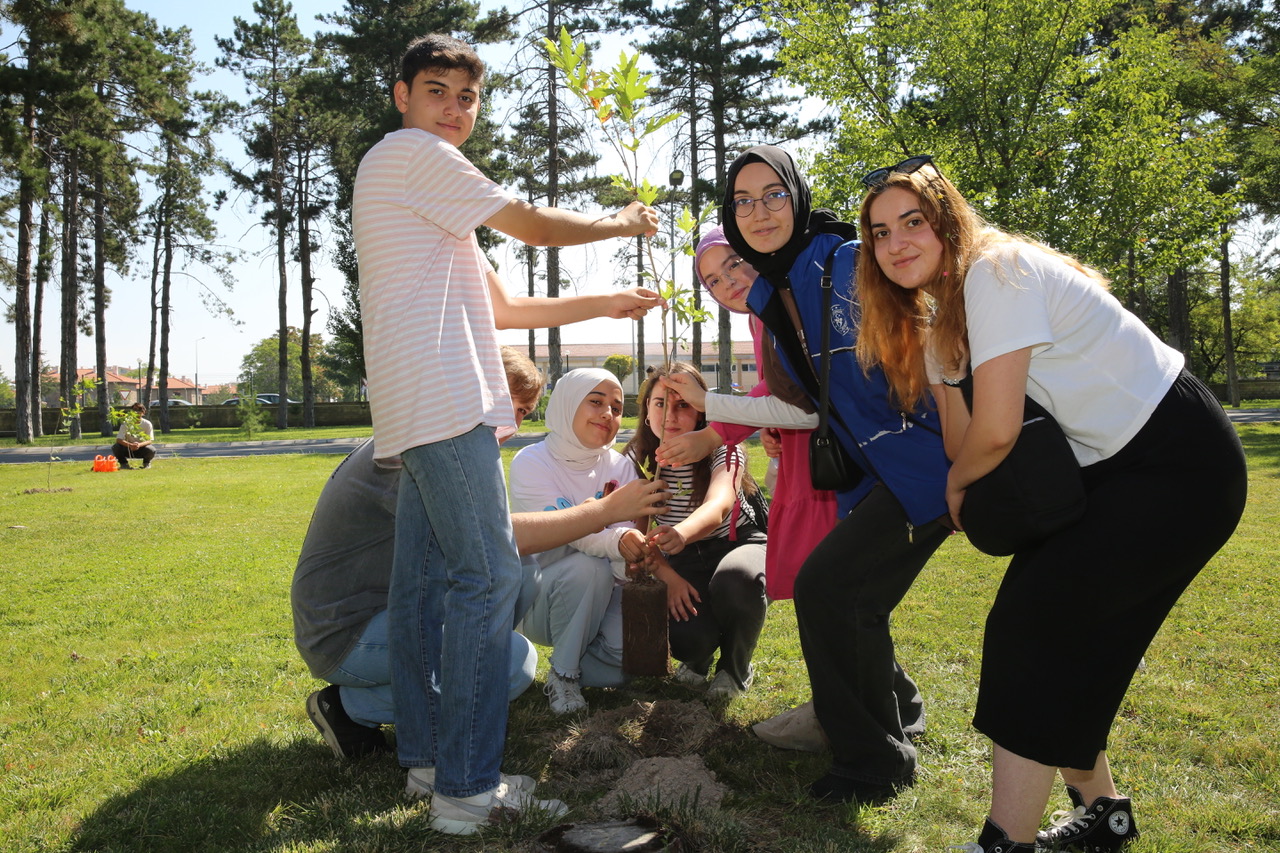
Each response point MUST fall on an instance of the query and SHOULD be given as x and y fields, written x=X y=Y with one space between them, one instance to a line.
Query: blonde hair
x=523 y=376
x=896 y=321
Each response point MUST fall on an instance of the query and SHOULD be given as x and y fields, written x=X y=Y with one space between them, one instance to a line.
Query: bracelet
x=951 y=383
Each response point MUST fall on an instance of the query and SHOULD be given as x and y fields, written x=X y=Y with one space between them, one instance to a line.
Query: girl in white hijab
x=578 y=609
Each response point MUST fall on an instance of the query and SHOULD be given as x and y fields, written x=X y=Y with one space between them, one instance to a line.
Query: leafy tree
x=1046 y=128
x=258 y=369
x=7 y=396
x=620 y=366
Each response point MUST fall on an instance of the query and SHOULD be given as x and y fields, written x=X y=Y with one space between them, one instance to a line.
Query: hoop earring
x=646 y=423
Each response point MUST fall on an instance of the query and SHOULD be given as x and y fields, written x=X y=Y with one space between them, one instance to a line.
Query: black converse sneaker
x=1102 y=827
x=993 y=840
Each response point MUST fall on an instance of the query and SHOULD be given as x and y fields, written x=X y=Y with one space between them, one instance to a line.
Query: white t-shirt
x=1094 y=365
x=431 y=351
x=538 y=482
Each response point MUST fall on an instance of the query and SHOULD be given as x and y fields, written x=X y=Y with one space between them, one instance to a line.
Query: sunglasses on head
x=876 y=177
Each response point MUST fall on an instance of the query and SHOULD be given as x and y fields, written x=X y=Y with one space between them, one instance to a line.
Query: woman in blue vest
x=867 y=705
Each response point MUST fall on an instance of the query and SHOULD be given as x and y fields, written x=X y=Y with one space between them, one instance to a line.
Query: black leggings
x=1075 y=614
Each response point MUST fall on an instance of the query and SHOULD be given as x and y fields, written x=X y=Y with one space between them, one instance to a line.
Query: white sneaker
x=422 y=782
x=469 y=815
x=723 y=686
x=688 y=676
x=797 y=728
x=564 y=693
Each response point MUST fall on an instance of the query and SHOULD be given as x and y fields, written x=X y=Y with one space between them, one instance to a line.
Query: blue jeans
x=365 y=674
x=451 y=606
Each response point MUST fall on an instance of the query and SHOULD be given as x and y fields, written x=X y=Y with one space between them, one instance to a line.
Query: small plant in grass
x=68 y=411
x=252 y=418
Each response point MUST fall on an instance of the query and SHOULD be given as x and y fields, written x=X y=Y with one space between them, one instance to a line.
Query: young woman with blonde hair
x=946 y=296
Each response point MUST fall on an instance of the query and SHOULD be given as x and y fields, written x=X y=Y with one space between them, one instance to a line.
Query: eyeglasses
x=876 y=177
x=729 y=273
x=773 y=200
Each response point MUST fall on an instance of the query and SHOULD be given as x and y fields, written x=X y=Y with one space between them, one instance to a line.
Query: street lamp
x=199 y=396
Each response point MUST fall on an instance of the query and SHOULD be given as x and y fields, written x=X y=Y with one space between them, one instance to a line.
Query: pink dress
x=799 y=515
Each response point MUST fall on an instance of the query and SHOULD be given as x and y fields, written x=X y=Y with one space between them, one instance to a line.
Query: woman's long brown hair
x=644 y=444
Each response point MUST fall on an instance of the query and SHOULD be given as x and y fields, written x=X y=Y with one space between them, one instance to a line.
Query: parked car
x=263 y=400
x=173 y=401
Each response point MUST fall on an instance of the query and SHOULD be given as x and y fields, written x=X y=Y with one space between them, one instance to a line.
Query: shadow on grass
x=262 y=795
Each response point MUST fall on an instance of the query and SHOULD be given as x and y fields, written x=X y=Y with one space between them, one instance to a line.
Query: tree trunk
x=304 y=260
x=1229 y=344
x=554 y=363
x=724 y=332
x=44 y=271
x=100 y=301
x=67 y=374
x=695 y=207
x=282 y=299
x=531 y=259
x=1179 y=319
x=166 y=288
x=144 y=379
x=23 y=356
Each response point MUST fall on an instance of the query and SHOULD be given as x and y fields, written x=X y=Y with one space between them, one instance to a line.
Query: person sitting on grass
x=578 y=610
x=708 y=547
x=136 y=438
x=339 y=591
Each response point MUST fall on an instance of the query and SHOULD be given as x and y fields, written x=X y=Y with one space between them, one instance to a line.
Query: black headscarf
x=808 y=222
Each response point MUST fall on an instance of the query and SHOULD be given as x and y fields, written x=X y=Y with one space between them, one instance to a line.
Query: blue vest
x=902 y=452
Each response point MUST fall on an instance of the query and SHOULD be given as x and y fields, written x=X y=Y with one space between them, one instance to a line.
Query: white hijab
x=570 y=391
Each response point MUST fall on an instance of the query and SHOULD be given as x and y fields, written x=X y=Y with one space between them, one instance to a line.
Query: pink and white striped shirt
x=431 y=350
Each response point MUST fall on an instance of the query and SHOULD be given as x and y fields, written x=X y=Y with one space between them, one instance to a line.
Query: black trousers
x=846 y=589
x=146 y=453
x=1089 y=599
x=729 y=578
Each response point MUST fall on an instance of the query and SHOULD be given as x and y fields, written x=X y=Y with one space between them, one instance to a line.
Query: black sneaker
x=993 y=840
x=1102 y=827
x=346 y=737
x=833 y=788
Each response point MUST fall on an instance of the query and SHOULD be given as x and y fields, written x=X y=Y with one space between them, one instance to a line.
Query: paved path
x=85 y=453
x=343 y=446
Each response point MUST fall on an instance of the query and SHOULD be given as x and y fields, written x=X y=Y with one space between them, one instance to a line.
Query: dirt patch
x=654 y=782
x=614 y=739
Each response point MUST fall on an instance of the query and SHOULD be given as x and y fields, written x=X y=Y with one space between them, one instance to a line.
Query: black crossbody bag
x=830 y=467
x=1033 y=493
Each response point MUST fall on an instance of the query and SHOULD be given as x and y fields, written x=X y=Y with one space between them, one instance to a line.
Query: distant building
x=125 y=390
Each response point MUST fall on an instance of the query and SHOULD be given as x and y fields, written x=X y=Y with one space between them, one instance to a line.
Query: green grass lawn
x=153 y=700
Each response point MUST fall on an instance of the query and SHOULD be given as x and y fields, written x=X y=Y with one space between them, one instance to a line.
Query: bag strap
x=824 y=375
x=1030 y=408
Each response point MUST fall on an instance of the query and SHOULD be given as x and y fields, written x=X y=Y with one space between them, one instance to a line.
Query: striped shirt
x=431 y=350
x=680 y=483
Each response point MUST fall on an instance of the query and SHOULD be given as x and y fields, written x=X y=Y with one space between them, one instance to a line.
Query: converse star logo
x=1119 y=822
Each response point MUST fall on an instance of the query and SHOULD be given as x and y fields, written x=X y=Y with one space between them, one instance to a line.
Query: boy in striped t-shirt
x=430 y=305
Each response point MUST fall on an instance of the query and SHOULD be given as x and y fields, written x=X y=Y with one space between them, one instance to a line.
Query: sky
x=210 y=348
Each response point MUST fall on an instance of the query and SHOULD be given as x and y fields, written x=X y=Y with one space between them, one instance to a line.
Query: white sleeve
x=1005 y=307
x=766 y=411
x=534 y=488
